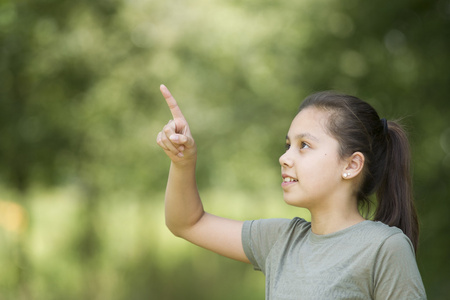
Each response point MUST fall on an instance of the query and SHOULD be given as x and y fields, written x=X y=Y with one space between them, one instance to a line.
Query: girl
x=338 y=152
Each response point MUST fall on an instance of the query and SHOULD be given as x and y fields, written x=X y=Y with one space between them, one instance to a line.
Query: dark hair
x=384 y=144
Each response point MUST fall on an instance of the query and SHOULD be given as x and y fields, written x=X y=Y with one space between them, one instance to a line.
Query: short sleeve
x=258 y=238
x=396 y=274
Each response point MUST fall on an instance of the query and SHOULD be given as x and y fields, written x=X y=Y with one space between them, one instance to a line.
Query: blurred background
x=82 y=180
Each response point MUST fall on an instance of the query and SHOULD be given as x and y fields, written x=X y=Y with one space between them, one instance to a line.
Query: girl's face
x=311 y=167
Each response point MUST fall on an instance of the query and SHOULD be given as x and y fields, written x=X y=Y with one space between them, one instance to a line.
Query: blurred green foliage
x=82 y=180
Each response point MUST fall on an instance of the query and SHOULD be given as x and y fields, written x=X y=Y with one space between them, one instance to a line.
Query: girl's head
x=358 y=128
x=312 y=167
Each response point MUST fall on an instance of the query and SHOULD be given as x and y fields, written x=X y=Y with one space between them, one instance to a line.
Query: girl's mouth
x=287 y=180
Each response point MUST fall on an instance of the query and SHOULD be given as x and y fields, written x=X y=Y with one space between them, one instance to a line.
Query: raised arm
x=185 y=216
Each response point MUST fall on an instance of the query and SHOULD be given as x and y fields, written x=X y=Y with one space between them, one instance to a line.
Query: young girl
x=338 y=153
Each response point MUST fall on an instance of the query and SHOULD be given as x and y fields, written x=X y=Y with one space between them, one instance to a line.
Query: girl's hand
x=176 y=138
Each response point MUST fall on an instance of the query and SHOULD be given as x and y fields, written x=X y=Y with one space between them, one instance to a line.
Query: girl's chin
x=296 y=202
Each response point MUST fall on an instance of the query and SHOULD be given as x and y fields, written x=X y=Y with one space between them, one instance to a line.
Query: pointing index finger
x=173 y=106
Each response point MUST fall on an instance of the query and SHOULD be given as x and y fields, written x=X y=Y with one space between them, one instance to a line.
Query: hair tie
x=385 y=126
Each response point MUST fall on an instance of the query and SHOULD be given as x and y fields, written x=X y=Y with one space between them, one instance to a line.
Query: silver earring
x=346 y=175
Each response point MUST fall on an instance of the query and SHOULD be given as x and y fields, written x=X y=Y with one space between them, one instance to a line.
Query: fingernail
x=180 y=154
x=174 y=137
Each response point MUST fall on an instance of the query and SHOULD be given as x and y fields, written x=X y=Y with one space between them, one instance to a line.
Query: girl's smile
x=288 y=180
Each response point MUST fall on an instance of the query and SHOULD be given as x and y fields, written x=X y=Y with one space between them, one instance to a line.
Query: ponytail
x=394 y=194
x=358 y=128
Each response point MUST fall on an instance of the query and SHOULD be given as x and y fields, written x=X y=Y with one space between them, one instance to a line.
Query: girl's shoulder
x=276 y=227
x=388 y=237
x=378 y=229
x=298 y=224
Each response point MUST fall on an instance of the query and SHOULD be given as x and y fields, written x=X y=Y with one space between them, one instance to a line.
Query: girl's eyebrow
x=303 y=136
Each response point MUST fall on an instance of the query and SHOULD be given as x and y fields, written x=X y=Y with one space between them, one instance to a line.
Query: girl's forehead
x=311 y=123
x=311 y=119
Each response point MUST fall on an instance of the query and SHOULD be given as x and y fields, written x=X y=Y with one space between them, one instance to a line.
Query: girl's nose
x=285 y=160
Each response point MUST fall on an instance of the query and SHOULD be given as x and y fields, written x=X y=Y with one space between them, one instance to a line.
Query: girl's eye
x=303 y=145
x=287 y=146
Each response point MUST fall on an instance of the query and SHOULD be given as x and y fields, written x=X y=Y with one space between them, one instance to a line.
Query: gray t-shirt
x=369 y=260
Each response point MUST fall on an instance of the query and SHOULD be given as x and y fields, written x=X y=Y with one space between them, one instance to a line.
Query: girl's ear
x=355 y=165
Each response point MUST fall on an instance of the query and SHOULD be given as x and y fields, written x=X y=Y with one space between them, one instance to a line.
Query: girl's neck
x=326 y=223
